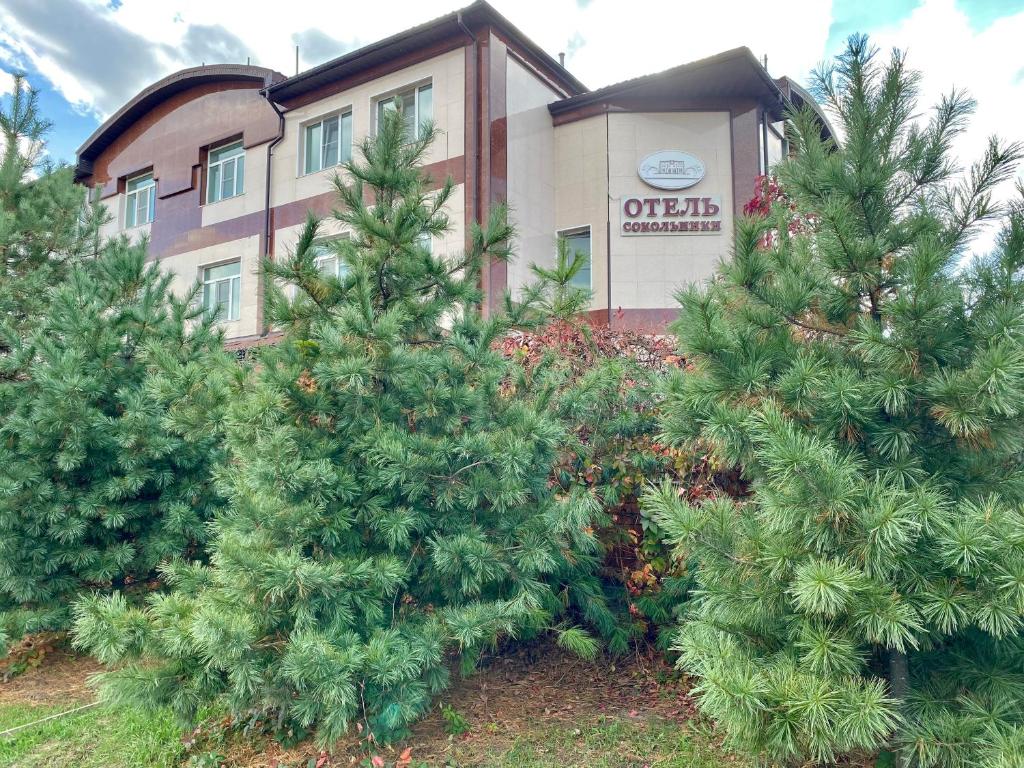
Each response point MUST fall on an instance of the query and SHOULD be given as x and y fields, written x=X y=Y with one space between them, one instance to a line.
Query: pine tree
x=390 y=494
x=105 y=458
x=869 y=592
x=108 y=438
x=44 y=225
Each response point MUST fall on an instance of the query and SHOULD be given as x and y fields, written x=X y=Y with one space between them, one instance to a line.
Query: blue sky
x=86 y=57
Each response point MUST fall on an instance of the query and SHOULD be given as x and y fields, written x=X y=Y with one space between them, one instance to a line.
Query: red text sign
x=671 y=215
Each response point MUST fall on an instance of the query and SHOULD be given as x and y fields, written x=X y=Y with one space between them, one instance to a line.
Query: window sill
x=414 y=139
x=322 y=170
x=222 y=200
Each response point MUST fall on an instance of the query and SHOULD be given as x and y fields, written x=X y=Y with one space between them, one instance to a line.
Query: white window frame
x=413 y=89
x=344 y=147
x=237 y=159
x=565 y=233
x=426 y=240
x=132 y=200
x=327 y=253
x=231 y=309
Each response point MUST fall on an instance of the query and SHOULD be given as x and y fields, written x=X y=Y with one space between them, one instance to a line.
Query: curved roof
x=152 y=95
x=800 y=97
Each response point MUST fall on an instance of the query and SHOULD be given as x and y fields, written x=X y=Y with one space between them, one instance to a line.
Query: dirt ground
x=55 y=676
x=545 y=686
x=514 y=694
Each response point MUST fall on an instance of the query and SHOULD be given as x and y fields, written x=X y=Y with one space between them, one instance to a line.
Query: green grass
x=100 y=737
x=103 y=737
x=606 y=743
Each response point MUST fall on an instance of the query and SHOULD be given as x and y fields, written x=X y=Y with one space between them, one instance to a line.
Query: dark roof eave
x=148 y=97
x=435 y=30
x=772 y=90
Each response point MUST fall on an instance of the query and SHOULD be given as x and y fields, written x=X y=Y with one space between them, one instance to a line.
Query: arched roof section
x=159 y=92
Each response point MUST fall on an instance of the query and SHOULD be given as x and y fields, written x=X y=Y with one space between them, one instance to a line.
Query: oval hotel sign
x=671 y=169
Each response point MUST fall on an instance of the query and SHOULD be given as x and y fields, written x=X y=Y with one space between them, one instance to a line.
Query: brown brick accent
x=648 y=320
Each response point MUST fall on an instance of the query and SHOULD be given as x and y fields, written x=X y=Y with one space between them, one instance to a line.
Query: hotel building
x=218 y=165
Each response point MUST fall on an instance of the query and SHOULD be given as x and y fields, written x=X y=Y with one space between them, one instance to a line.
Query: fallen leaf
x=405 y=758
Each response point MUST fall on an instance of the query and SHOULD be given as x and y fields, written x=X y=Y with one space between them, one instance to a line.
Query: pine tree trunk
x=898 y=687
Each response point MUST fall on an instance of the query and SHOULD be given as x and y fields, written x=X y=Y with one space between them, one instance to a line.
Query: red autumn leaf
x=405 y=758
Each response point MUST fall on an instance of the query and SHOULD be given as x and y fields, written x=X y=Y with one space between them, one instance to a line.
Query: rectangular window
x=578 y=241
x=140 y=201
x=327 y=143
x=226 y=172
x=417 y=105
x=327 y=262
x=221 y=289
x=425 y=241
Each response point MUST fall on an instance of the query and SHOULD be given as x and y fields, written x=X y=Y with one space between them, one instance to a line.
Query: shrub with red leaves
x=610 y=398
x=581 y=346
x=767 y=192
x=769 y=196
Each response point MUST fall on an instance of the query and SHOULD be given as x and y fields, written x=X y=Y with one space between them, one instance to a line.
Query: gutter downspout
x=608 y=217
x=475 y=201
x=266 y=202
x=764 y=138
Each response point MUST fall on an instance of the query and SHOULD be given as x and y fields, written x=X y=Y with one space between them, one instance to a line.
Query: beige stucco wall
x=115 y=211
x=451 y=243
x=648 y=269
x=445 y=72
x=113 y=208
x=253 y=195
x=187 y=269
x=581 y=191
x=531 y=172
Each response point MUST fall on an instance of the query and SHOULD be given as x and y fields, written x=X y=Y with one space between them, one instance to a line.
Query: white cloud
x=626 y=40
x=7 y=82
x=81 y=49
x=98 y=57
x=941 y=45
